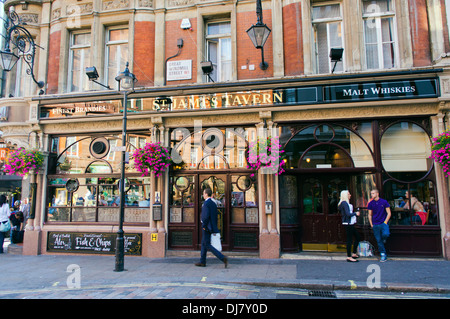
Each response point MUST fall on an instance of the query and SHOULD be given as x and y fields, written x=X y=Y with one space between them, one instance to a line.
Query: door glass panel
x=182 y=200
x=217 y=185
x=312 y=196
x=244 y=200
x=288 y=190
x=335 y=186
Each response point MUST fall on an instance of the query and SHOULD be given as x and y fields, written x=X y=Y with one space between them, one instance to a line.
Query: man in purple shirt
x=379 y=215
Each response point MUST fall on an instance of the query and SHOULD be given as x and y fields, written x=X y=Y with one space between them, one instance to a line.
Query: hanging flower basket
x=266 y=154
x=440 y=151
x=22 y=162
x=152 y=157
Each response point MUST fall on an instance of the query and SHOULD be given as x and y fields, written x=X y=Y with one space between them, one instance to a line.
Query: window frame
x=84 y=85
x=327 y=21
x=378 y=17
x=219 y=37
x=118 y=43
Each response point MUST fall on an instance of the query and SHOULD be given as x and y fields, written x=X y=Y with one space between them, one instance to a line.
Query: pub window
x=79 y=59
x=379 y=34
x=328 y=146
x=405 y=151
x=209 y=149
x=412 y=204
x=97 y=199
x=328 y=34
x=116 y=53
x=218 y=50
x=244 y=203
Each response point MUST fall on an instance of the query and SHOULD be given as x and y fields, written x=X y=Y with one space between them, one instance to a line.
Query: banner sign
x=96 y=243
x=305 y=95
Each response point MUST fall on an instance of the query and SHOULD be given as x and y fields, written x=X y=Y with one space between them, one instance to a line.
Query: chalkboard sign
x=96 y=243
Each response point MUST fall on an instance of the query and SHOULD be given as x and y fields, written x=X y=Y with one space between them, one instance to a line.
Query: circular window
x=244 y=183
x=212 y=141
x=99 y=147
x=405 y=152
x=182 y=183
x=72 y=185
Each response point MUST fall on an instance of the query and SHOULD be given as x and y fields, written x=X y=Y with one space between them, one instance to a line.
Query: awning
x=9 y=183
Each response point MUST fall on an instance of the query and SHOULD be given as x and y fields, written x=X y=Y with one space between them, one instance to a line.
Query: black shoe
x=200 y=265
x=225 y=261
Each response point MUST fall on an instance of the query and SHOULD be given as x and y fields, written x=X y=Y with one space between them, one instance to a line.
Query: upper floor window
x=218 y=47
x=78 y=61
x=116 y=54
x=379 y=34
x=24 y=85
x=327 y=31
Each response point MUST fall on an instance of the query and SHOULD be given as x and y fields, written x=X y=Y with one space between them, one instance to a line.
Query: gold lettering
x=256 y=99
x=246 y=100
x=194 y=103
x=213 y=102
x=227 y=100
x=266 y=98
x=278 y=96
x=237 y=100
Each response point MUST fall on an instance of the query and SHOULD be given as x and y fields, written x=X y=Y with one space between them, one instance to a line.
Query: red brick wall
x=54 y=48
x=419 y=33
x=247 y=54
x=293 y=39
x=144 y=53
x=189 y=50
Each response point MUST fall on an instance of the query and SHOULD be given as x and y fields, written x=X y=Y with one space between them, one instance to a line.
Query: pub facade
x=365 y=121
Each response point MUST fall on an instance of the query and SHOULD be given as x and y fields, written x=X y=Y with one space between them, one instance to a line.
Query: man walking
x=209 y=226
x=379 y=215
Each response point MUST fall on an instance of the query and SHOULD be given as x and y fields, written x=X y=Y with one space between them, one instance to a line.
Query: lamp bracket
x=22 y=40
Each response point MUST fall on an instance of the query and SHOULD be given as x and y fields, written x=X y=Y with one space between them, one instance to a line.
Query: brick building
x=364 y=121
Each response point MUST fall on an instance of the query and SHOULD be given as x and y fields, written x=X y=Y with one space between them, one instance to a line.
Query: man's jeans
x=381 y=233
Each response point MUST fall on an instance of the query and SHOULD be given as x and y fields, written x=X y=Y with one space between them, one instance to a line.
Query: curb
x=348 y=285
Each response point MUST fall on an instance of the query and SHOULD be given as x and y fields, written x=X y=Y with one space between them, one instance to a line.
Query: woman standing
x=349 y=221
x=4 y=218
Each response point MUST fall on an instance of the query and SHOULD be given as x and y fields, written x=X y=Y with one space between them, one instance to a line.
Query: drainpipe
x=179 y=45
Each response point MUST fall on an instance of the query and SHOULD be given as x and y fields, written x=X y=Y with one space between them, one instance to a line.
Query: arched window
x=211 y=148
x=329 y=146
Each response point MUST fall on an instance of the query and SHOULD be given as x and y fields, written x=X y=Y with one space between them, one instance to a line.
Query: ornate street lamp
x=126 y=81
x=259 y=33
x=21 y=39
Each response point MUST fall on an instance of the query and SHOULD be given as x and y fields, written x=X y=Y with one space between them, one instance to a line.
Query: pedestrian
x=4 y=218
x=17 y=233
x=349 y=221
x=379 y=215
x=25 y=209
x=209 y=226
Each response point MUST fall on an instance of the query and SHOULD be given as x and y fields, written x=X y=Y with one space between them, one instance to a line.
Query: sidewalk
x=315 y=271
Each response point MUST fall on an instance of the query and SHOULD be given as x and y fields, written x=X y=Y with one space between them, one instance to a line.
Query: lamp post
x=126 y=81
x=259 y=33
x=22 y=40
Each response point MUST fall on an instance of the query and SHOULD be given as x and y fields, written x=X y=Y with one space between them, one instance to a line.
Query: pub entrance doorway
x=308 y=211
x=320 y=221
x=235 y=195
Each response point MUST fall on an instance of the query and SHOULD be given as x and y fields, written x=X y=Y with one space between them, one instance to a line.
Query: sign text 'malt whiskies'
x=379 y=90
